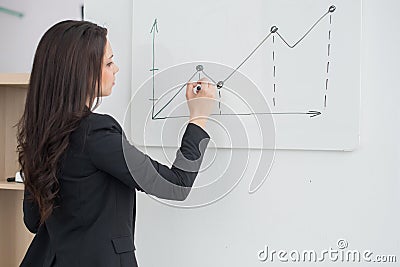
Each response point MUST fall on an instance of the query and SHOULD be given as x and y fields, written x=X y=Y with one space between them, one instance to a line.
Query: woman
x=80 y=172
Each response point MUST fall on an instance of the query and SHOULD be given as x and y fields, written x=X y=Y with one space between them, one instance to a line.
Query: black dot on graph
x=220 y=84
x=332 y=9
x=199 y=67
x=274 y=29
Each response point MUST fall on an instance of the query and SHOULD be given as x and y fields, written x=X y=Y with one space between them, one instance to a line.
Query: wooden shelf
x=15 y=80
x=15 y=238
x=11 y=186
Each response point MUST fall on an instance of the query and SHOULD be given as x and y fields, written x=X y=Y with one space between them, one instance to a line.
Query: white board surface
x=296 y=87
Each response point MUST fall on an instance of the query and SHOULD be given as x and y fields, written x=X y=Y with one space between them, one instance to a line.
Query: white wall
x=20 y=36
x=311 y=199
x=116 y=16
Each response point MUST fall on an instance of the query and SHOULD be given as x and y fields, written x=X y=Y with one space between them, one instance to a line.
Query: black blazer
x=94 y=223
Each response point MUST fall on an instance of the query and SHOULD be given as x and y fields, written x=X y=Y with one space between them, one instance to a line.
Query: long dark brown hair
x=66 y=72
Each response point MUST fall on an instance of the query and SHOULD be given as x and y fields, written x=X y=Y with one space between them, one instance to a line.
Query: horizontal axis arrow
x=312 y=113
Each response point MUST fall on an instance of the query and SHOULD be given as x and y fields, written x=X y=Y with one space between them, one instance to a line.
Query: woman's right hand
x=202 y=104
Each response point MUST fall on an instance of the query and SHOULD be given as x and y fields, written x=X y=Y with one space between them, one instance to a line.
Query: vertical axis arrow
x=153 y=30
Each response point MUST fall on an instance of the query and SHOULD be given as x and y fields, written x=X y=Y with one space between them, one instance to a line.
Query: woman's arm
x=111 y=152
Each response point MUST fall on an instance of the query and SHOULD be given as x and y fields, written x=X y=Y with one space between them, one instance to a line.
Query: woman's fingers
x=200 y=102
x=192 y=92
x=189 y=90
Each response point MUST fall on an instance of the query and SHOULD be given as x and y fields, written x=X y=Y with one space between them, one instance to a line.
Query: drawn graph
x=290 y=68
x=274 y=33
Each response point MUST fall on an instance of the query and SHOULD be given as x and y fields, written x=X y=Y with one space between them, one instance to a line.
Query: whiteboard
x=289 y=70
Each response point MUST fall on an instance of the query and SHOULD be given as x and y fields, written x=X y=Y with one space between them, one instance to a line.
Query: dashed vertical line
x=274 y=72
x=219 y=104
x=328 y=61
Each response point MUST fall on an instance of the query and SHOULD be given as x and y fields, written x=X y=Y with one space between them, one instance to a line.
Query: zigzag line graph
x=274 y=31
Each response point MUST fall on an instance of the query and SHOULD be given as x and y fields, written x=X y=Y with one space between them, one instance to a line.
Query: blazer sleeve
x=31 y=213
x=111 y=152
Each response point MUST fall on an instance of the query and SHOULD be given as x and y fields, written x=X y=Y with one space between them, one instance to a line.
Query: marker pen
x=196 y=89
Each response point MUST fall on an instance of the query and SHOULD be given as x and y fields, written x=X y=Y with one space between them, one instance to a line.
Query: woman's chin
x=107 y=93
